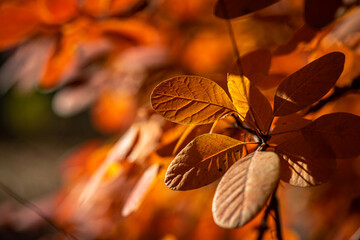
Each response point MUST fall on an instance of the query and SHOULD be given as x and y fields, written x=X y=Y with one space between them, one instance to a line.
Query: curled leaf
x=202 y=161
x=245 y=188
x=191 y=100
x=252 y=106
x=340 y=130
x=229 y=9
x=309 y=84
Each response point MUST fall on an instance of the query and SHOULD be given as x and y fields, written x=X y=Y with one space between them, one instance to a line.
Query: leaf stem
x=273 y=206
x=232 y=37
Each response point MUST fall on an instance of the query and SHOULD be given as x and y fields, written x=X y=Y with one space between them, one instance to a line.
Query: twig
x=35 y=209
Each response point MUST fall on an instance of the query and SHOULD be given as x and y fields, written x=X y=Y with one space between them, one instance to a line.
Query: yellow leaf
x=191 y=100
x=245 y=188
x=252 y=106
x=202 y=161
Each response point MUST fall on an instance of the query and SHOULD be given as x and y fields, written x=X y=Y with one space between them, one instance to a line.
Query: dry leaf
x=202 y=161
x=340 y=130
x=141 y=188
x=252 y=106
x=309 y=84
x=305 y=164
x=235 y=8
x=245 y=188
x=191 y=100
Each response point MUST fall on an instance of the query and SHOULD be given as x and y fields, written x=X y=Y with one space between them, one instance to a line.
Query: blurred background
x=78 y=137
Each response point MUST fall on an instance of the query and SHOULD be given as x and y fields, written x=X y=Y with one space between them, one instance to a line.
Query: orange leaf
x=56 y=11
x=340 y=130
x=309 y=84
x=235 y=8
x=202 y=161
x=245 y=188
x=141 y=188
x=191 y=100
x=305 y=164
x=252 y=106
x=17 y=23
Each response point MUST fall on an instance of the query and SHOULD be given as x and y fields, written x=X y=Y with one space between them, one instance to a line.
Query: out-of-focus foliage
x=104 y=58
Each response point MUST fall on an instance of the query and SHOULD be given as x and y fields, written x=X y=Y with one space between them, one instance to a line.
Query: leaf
x=245 y=188
x=289 y=123
x=202 y=161
x=309 y=84
x=252 y=106
x=17 y=22
x=236 y=8
x=319 y=13
x=191 y=100
x=117 y=154
x=141 y=188
x=340 y=130
x=256 y=65
x=305 y=164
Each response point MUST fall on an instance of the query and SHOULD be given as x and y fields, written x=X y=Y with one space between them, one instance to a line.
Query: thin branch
x=273 y=206
x=35 y=209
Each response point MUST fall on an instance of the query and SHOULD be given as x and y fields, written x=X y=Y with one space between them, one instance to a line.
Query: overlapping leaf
x=252 y=106
x=305 y=164
x=245 y=188
x=229 y=9
x=202 y=161
x=340 y=130
x=309 y=84
x=191 y=100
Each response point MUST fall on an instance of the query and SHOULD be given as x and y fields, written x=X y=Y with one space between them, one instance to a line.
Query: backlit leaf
x=141 y=188
x=245 y=188
x=305 y=164
x=309 y=84
x=340 y=130
x=191 y=100
x=236 y=8
x=202 y=161
x=252 y=106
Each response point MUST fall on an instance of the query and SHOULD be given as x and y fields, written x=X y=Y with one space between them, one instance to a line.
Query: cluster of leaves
x=103 y=52
x=299 y=151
